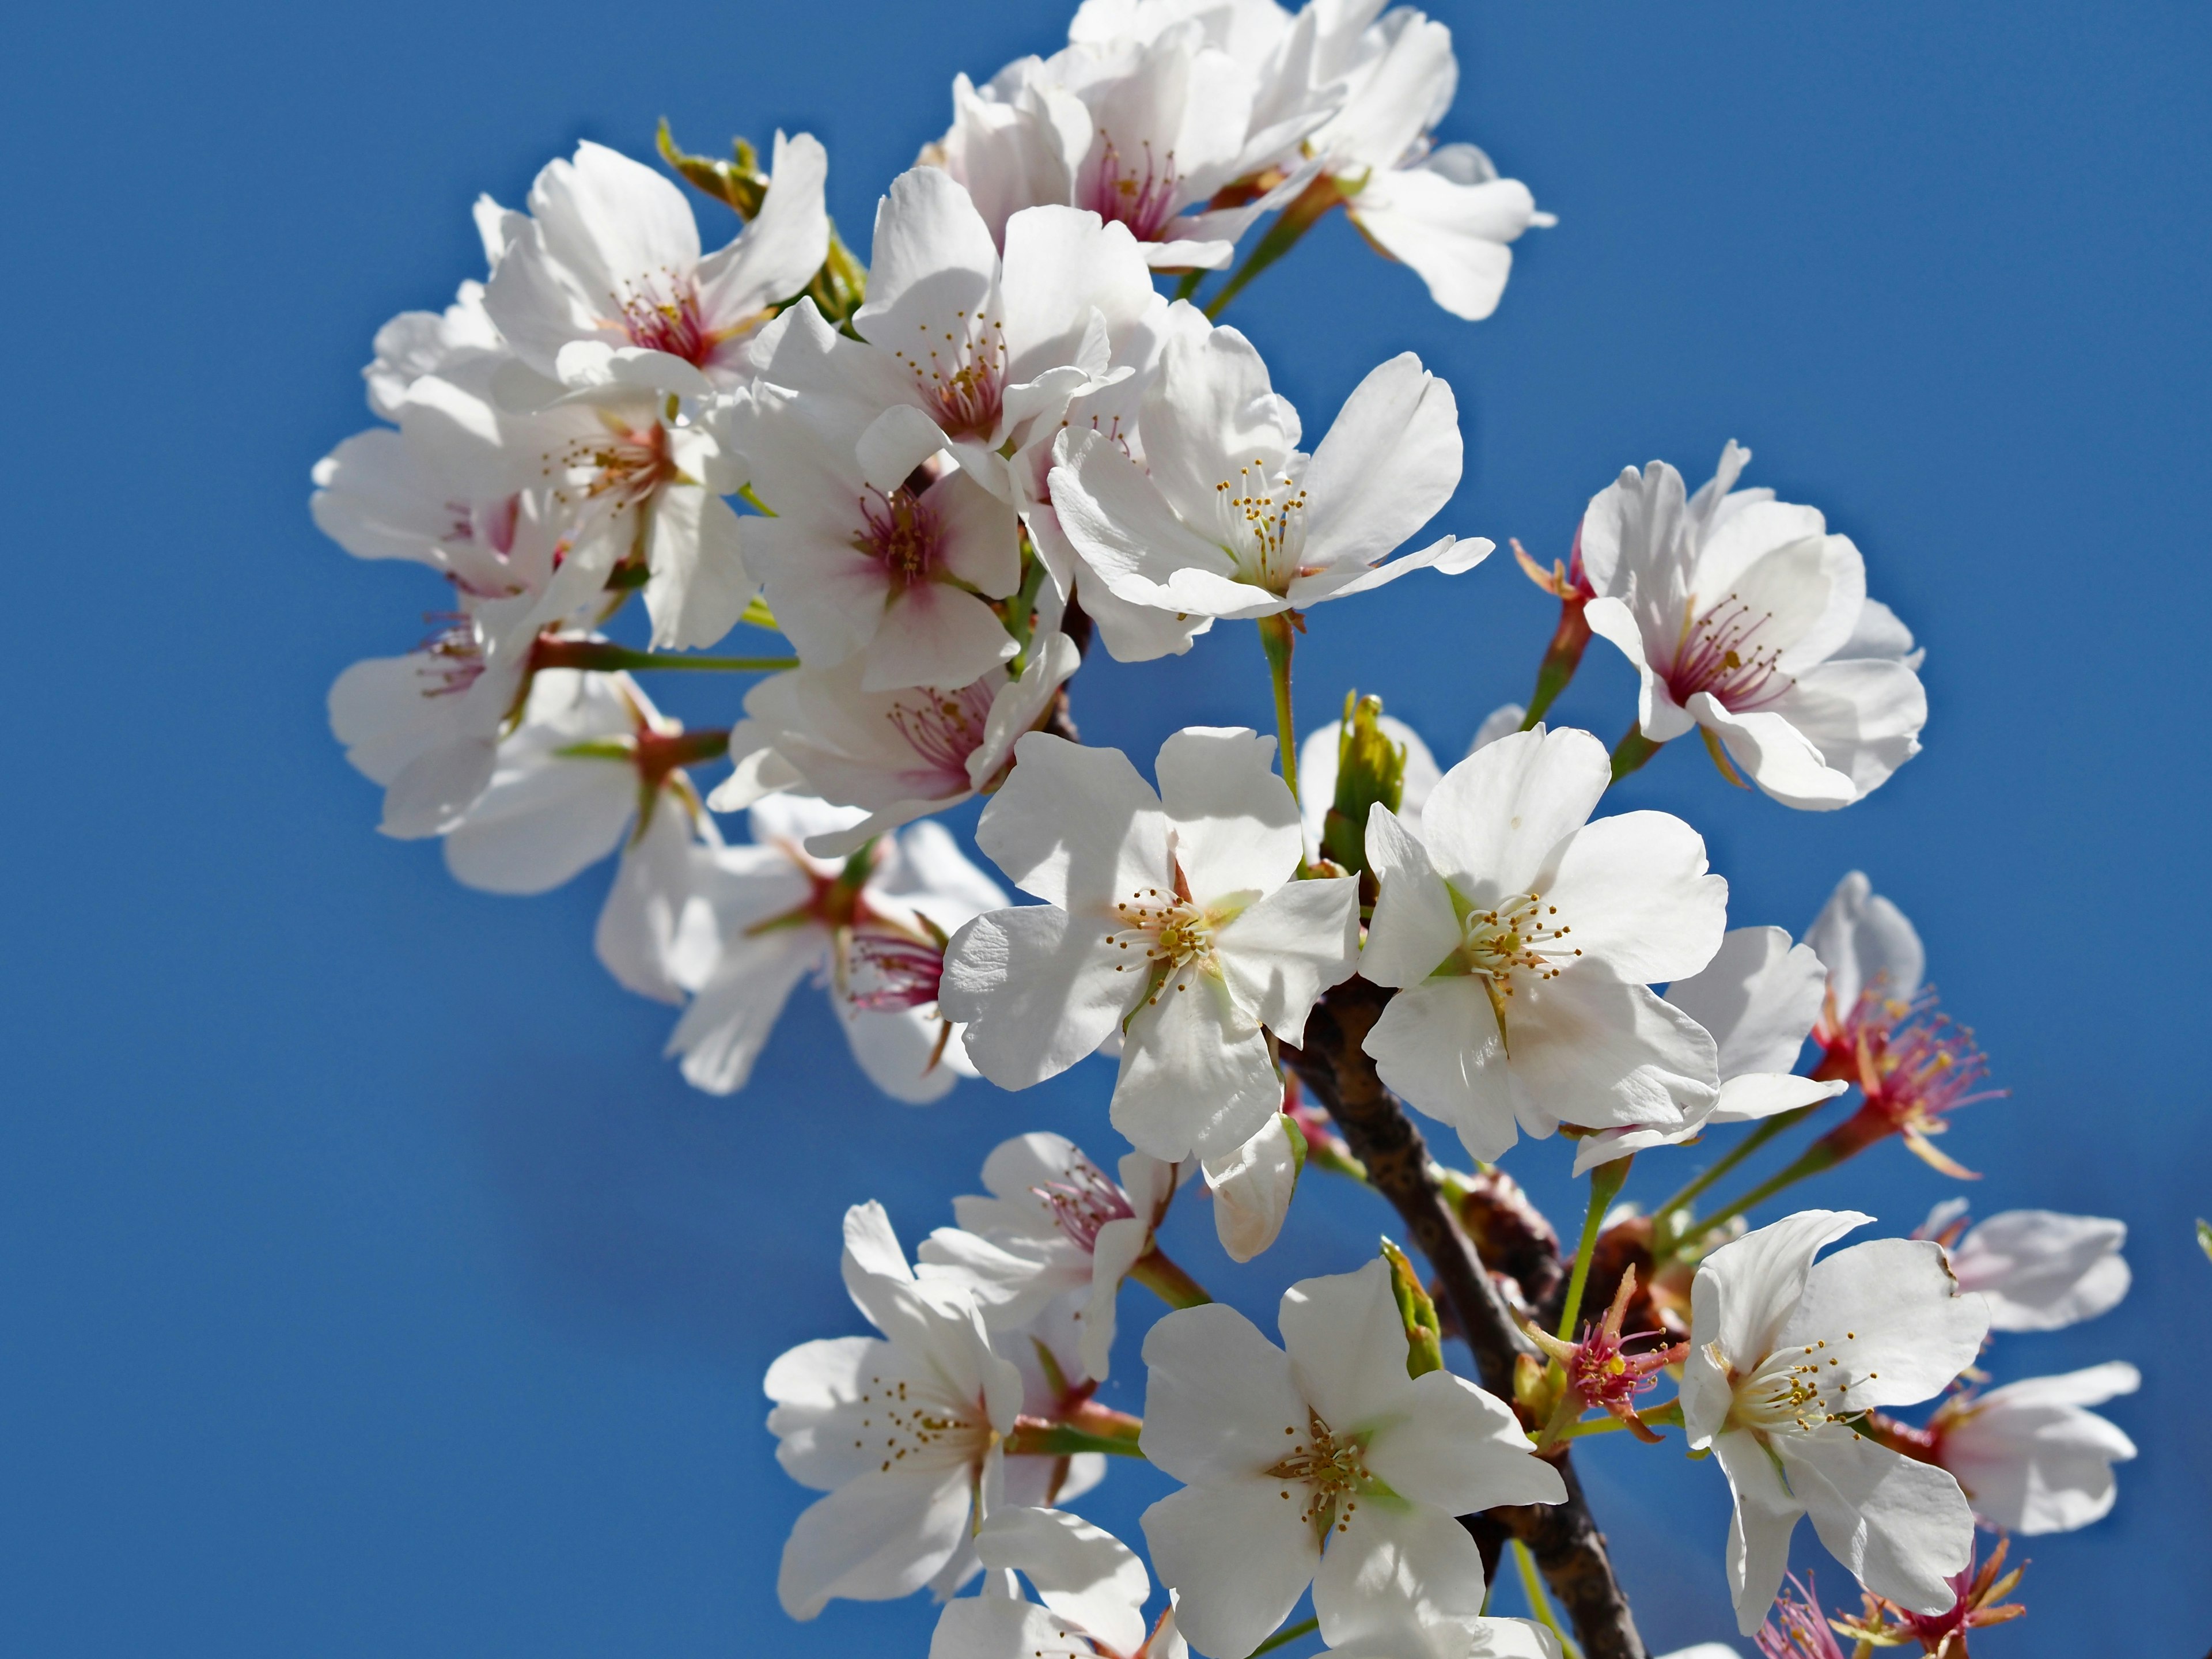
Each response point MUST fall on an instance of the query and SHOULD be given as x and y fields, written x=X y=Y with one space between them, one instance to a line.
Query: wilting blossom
x=1978 y=1600
x=1171 y=918
x=1325 y=1441
x=1523 y=938
x=1744 y=615
x=1782 y=1351
x=901 y=1431
x=1229 y=518
x=610 y=257
x=873 y=925
x=1056 y=1225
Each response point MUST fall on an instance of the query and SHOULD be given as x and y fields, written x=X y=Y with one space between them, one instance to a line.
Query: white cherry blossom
x=1055 y=1225
x=610 y=256
x=2031 y=1457
x=1744 y=615
x=901 y=1431
x=1430 y=1635
x=1143 y=127
x=1092 y=1586
x=1330 y=1443
x=1229 y=518
x=1523 y=938
x=2039 y=1270
x=1442 y=210
x=873 y=925
x=1758 y=998
x=1172 y=918
x=419 y=342
x=1783 y=1350
x=898 y=755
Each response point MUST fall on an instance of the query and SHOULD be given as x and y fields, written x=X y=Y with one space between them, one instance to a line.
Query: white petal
x=874 y=1539
x=1588 y=1050
x=1252 y=1188
x=1036 y=988
x=1237 y=1556
x=641 y=925
x=1083 y=1573
x=1462 y=1449
x=1076 y=827
x=1759 y=996
x=2042 y=1271
x=935 y=634
x=1347 y=1347
x=1891 y=1312
x=727 y=1025
x=1901 y=1526
x=1236 y=824
x=1390 y=463
x=1415 y=928
x=1759 y=1531
x=1742 y=1294
x=1196 y=1075
x=1866 y=942
x=1864 y=716
x=1413 y=1561
x=1454 y=235
x=1282 y=953
x=1209 y=413
x=1634 y=889
x=1218 y=1397
x=1498 y=813
x=1437 y=1045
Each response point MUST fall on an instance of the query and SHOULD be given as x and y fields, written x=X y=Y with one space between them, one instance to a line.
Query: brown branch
x=1566 y=1541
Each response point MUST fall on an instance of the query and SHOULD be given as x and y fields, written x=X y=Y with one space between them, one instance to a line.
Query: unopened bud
x=1253 y=1185
x=1370 y=768
x=1423 y=1335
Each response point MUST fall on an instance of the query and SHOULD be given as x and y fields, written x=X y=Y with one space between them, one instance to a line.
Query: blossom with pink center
x=1601 y=1371
x=872 y=928
x=610 y=255
x=1744 y=617
x=898 y=754
x=1057 y=1228
x=1877 y=966
x=1978 y=1600
x=1796 y=1628
x=1144 y=125
x=2030 y=1456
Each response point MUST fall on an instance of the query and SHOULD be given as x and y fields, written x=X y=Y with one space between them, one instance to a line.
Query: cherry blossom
x=1782 y=1351
x=1877 y=966
x=1229 y=518
x=1171 y=918
x=1330 y=1443
x=1758 y=998
x=1092 y=1586
x=897 y=753
x=1251 y=1186
x=1523 y=938
x=1745 y=616
x=2030 y=1456
x=610 y=258
x=2037 y=1270
x=1055 y=1225
x=1442 y=210
x=873 y=925
x=901 y=1431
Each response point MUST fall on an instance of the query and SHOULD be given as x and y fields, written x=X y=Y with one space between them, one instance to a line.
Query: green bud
x=738 y=185
x=1370 y=768
x=1424 y=1336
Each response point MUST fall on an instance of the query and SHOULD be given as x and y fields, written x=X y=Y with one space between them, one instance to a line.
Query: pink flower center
x=663 y=315
x=885 y=972
x=946 y=728
x=624 y=466
x=962 y=375
x=453 y=655
x=1721 y=654
x=1117 y=190
x=900 y=530
x=1083 y=1200
x=1925 y=1065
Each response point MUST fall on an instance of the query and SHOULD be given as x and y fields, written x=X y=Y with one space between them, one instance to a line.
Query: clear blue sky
x=372 y=1287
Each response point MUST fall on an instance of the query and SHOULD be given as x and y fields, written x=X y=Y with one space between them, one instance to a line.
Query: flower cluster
x=1017 y=434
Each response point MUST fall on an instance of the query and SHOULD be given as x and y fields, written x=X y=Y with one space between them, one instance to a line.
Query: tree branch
x=1564 y=1537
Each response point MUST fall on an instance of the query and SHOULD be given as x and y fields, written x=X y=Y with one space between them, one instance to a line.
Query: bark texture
x=1565 y=1540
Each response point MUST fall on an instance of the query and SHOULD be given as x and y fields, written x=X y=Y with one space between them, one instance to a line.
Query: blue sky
x=373 y=1287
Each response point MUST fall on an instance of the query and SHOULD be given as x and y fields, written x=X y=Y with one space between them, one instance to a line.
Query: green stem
x=1060 y=1440
x=1164 y=1279
x=1815 y=1158
x=1304 y=213
x=1189 y=285
x=1561 y=658
x=597 y=656
x=1289 y=1633
x=1631 y=751
x=1736 y=1155
x=1540 y=1605
x=1606 y=1182
x=1277 y=636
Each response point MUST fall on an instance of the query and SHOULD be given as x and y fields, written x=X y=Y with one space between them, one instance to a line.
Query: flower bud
x=1423 y=1335
x=1252 y=1187
x=1370 y=768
